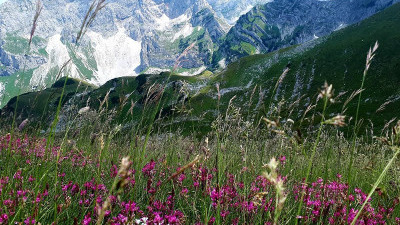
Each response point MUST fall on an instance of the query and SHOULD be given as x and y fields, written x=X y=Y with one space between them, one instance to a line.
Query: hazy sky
x=1 y=1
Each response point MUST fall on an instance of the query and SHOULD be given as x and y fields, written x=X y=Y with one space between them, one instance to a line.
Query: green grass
x=18 y=45
x=40 y=106
x=243 y=152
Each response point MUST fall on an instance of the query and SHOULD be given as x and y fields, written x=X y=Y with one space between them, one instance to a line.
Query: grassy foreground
x=227 y=178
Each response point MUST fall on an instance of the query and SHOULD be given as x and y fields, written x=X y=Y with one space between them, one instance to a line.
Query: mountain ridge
x=338 y=59
x=147 y=36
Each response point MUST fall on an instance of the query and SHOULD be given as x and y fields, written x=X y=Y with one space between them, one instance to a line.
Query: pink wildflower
x=87 y=220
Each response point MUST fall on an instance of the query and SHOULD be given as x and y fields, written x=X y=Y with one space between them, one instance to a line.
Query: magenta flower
x=282 y=159
x=224 y=213
x=212 y=220
x=181 y=178
x=29 y=221
x=123 y=219
x=172 y=219
x=157 y=218
x=17 y=175
x=184 y=191
x=113 y=171
x=3 y=219
x=87 y=220
x=148 y=169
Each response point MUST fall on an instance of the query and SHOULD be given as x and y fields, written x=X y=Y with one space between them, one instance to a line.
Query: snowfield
x=116 y=56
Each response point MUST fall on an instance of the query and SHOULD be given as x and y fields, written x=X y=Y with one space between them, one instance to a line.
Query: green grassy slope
x=339 y=59
x=42 y=105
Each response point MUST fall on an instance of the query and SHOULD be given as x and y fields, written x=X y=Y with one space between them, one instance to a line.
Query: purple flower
x=87 y=220
x=113 y=171
x=3 y=219
x=29 y=221
x=172 y=219
x=212 y=220
x=184 y=191
x=181 y=177
x=122 y=218
x=17 y=175
x=148 y=169
x=157 y=218
x=224 y=213
x=282 y=159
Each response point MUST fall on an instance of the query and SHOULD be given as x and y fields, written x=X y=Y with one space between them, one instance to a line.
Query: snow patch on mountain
x=116 y=56
x=154 y=70
x=184 y=32
x=180 y=25
x=165 y=23
x=58 y=56
x=222 y=63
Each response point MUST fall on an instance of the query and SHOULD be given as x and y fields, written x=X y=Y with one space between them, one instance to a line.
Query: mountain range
x=147 y=36
x=192 y=101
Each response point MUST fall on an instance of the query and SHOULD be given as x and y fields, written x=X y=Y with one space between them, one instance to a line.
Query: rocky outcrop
x=231 y=10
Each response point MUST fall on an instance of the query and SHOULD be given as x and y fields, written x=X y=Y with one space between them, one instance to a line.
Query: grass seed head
x=338 y=120
x=38 y=11
x=326 y=92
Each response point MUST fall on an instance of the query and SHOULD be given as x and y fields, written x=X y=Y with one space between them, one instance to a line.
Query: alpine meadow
x=272 y=112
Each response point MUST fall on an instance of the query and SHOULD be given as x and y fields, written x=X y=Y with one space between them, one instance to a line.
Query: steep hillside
x=283 y=23
x=40 y=106
x=338 y=59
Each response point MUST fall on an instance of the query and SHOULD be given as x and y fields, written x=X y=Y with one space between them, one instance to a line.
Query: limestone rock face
x=126 y=39
x=282 y=23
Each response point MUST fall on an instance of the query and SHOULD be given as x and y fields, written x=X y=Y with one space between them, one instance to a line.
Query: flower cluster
x=335 y=202
x=83 y=192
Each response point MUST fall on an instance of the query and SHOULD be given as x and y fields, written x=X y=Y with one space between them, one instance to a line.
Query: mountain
x=129 y=38
x=126 y=39
x=192 y=101
x=338 y=59
x=283 y=23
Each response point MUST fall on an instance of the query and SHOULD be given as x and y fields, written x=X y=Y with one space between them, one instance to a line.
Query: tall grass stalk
x=118 y=184
x=217 y=153
x=278 y=82
x=370 y=56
